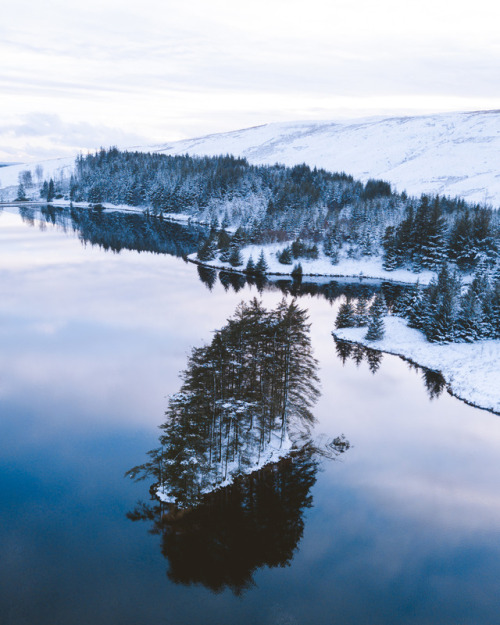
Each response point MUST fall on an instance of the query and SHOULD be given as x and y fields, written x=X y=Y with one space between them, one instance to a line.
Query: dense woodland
x=319 y=211
x=314 y=212
x=445 y=311
x=241 y=395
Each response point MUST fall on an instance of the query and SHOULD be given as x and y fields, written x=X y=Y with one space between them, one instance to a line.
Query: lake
x=402 y=528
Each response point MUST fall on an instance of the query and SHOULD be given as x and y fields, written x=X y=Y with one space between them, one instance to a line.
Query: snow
x=453 y=154
x=365 y=267
x=55 y=168
x=276 y=450
x=471 y=370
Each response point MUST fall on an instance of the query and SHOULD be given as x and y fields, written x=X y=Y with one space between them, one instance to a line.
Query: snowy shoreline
x=471 y=370
x=366 y=268
x=273 y=454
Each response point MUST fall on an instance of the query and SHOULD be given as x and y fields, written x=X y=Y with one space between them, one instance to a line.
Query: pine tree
x=261 y=267
x=297 y=272
x=361 y=311
x=208 y=248
x=21 y=193
x=235 y=259
x=285 y=256
x=346 y=317
x=250 y=268
x=51 y=191
x=44 y=191
x=376 y=325
x=390 y=256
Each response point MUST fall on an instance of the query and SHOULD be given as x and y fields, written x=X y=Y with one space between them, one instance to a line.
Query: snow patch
x=471 y=370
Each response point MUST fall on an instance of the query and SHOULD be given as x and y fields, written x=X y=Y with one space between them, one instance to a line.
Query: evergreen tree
x=376 y=325
x=285 y=256
x=390 y=255
x=361 y=311
x=346 y=317
x=235 y=259
x=297 y=272
x=51 y=191
x=21 y=193
x=44 y=191
x=208 y=248
x=261 y=267
x=250 y=268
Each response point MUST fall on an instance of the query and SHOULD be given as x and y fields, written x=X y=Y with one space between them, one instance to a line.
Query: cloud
x=165 y=69
x=43 y=135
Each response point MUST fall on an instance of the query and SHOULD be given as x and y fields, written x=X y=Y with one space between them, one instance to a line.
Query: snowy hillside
x=55 y=168
x=454 y=154
x=451 y=154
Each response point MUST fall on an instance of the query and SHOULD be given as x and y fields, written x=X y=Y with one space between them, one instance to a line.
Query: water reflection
x=332 y=290
x=433 y=381
x=245 y=396
x=232 y=532
x=257 y=521
x=116 y=231
x=230 y=487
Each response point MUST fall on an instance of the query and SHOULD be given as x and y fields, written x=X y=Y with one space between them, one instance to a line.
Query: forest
x=445 y=311
x=314 y=212
x=250 y=390
x=316 y=209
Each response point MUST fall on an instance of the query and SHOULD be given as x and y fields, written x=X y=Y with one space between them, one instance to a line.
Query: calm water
x=403 y=528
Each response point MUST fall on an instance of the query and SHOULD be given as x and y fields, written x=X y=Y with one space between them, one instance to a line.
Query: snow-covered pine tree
x=346 y=317
x=208 y=248
x=297 y=272
x=250 y=267
x=361 y=311
x=376 y=324
x=235 y=259
x=21 y=193
x=285 y=256
x=261 y=267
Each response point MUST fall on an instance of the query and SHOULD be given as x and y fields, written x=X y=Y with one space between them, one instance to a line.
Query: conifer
x=346 y=317
x=261 y=267
x=376 y=325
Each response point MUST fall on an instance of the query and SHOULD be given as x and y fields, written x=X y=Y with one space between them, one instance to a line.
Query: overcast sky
x=75 y=76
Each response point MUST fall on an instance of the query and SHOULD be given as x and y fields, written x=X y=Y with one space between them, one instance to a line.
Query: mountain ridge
x=452 y=154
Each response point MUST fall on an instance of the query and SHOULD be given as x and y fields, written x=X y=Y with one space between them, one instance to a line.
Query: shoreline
x=242 y=272
x=469 y=374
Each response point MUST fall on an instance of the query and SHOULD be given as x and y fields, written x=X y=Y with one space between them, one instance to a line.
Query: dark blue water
x=404 y=528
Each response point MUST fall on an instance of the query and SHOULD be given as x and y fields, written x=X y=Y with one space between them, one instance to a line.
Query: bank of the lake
x=367 y=267
x=471 y=370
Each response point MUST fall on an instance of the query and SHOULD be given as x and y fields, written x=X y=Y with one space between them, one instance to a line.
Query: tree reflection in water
x=115 y=230
x=232 y=532
x=433 y=381
x=244 y=397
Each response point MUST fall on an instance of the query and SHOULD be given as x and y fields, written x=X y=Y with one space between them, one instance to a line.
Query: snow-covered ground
x=452 y=154
x=447 y=153
x=274 y=451
x=471 y=370
x=55 y=168
x=366 y=267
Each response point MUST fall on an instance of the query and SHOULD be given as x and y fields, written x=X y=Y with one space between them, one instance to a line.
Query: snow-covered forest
x=311 y=213
x=445 y=311
x=321 y=211
x=239 y=398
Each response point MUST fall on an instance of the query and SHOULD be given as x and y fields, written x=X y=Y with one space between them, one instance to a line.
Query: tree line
x=314 y=210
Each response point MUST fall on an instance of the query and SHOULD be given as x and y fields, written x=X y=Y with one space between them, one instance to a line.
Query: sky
x=77 y=76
